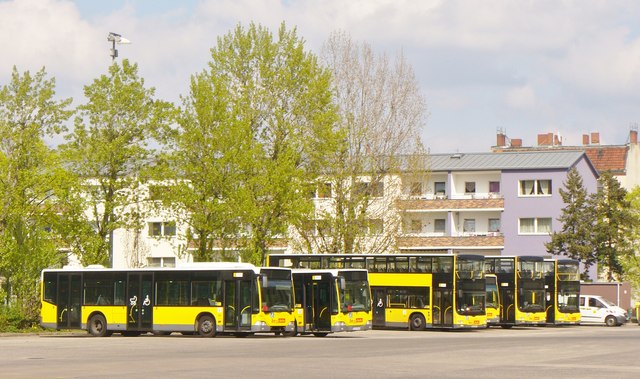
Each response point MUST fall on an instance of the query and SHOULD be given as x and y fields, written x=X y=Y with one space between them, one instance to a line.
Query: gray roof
x=504 y=161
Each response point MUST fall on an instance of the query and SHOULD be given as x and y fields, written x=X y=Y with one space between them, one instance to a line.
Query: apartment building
x=479 y=203
x=489 y=203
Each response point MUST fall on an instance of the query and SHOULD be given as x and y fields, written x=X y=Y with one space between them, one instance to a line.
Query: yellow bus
x=492 y=305
x=562 y=287
x=329 y=301
x=205 y=298
x=520 y=288
x=414 y=291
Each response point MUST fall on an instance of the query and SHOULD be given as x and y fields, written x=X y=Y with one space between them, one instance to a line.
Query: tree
x=575 y=238
x=631 y=262
x=613 y=226
x=31 y=183
x=254 y=132
x=381 y=111
x=109 y=149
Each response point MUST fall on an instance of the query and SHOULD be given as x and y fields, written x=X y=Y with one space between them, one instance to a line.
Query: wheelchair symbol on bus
x=380 y=303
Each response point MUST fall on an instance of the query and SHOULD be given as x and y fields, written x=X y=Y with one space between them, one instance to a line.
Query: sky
x=522 y=67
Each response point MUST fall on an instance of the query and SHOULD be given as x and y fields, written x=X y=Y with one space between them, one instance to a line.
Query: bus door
x=139 y=301
x=379 y=307
x=507 y=304
x=69 y=300
x=551 y=304
x=318 y=303
x=442 y=306
x=237 y=303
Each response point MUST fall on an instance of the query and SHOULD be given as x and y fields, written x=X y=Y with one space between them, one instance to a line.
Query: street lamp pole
x=116 y=38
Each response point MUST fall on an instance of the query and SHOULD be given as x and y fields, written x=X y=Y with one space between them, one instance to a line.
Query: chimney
x=633 y=137
x=545 y=139
x=501 y=139
x=595 y=138
x=585 y=139
x=556 y=140
x=516 y=142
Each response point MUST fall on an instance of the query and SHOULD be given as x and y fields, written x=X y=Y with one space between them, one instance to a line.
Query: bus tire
x=98 y=326
x=206 y=326
x=292 y=333
x=610 y=321
x=417 y=322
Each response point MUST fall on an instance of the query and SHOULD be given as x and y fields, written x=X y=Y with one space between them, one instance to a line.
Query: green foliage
x=613 y=226
x=575 y=238
x=31 y=183
x=631 y=262
x=597 y=228
x=254 y=131
x=109 y=150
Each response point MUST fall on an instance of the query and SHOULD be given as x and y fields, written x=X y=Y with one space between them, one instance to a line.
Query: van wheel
x=207 y=326
x=610 y=321
x=416 y=322
x=98 y=326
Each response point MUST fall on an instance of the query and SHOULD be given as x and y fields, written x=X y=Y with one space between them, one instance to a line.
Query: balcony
x=435 y=240
x=463 y=202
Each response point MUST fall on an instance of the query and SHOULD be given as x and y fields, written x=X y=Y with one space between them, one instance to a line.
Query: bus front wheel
x=98 y=326
x=207 y=326
x=417 y=322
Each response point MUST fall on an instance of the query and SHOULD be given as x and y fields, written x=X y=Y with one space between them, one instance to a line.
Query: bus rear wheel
x=98 y=326
x=207 y=326
x=417 y=322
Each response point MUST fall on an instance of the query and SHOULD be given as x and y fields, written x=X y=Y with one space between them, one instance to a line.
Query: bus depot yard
x=519 y=352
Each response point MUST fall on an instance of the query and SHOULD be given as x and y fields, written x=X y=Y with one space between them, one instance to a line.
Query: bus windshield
x=492 y=292
x=470 y=268
x=277 y=291
x=356 y=296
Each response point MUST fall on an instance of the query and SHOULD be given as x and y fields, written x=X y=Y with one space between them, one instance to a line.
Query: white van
x=597 y=310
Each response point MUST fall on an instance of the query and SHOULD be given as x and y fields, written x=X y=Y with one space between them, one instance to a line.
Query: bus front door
x=69 y=301
x=442 y=307
x=379 y=307
x=237 y=305
x=140 y=302
x=319 y=294
x=507 y=306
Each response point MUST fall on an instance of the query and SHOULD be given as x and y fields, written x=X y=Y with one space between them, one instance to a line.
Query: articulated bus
x=328 y=301
x=562 y=286
x=414 y=291
x=520 y=288
x=205 y=298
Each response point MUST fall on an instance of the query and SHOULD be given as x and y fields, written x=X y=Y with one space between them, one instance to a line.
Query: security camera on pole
x=116 y=38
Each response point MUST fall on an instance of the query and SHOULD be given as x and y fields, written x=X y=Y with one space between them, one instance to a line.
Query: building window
x=324 y=190
x=540 y=225
x=538 y=187
x=161 y=262
x=439 y=225
x=159 y=229
x=439 y=188
x=469 y=187
x=469 y=225
x=376 y=226
x=415 y=189
x=494 y=187
x=415 y=226
x=494 y=225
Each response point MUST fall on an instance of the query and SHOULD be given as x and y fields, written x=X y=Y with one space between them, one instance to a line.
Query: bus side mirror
x=264 y=281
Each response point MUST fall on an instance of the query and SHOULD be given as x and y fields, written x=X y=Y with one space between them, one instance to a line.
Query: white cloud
x=521 y=97
x=524 y=65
